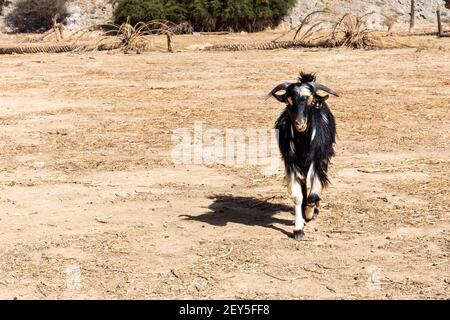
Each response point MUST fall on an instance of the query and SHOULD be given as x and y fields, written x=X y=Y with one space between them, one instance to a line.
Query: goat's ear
x=321 y=99
x=324 y=98
x=280 y=97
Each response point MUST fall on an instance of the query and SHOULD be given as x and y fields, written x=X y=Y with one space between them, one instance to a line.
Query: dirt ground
x=92 y=206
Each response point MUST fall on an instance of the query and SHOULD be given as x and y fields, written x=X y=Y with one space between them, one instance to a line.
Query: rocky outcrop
x=83 y=13
x=385 y=12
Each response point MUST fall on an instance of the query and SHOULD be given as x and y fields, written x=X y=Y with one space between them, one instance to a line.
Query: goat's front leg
x=314 y=188
x=295 y=190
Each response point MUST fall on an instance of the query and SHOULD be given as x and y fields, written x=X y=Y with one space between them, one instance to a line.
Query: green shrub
x=36 y=15
x=139 y=10
x=207 y=15
x=175 y=11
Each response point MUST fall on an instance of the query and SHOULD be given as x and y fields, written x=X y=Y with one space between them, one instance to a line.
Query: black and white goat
x=307 y=131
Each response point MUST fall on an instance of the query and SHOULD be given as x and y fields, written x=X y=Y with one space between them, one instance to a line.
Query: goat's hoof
x=309 y=213
x=316 y=213
x=299 y=234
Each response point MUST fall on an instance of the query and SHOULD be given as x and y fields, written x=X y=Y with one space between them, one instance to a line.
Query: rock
x=200 y=46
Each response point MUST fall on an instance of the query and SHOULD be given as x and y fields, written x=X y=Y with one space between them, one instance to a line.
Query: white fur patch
x=299 y=221
x=295 y=189
x=299 y=176
x=305 y=91
x=310 y=175
x=325 y=119
x=313 y=134
x=316 y=185
x=291 y=143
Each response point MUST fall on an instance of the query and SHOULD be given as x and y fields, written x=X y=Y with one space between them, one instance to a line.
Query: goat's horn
x=318 y=86
x=280 y=87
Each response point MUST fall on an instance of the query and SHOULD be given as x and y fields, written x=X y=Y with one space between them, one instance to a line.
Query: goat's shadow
x=243 y=210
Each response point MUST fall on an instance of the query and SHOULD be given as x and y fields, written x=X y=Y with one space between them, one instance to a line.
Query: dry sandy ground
x=88 y=189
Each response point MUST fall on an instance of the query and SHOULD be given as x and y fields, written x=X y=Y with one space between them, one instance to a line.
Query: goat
x=307 y=131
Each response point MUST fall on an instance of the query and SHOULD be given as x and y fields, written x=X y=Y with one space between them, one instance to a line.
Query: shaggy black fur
x=320 y=150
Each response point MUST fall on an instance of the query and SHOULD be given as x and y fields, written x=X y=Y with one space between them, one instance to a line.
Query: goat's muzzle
x=301 y=126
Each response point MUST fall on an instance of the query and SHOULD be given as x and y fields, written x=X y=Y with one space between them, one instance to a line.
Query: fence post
x=413 y=14
x=440 y=33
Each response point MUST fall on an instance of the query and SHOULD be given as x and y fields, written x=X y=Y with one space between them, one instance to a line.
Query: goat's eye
x=290 y=102
x=310 y=100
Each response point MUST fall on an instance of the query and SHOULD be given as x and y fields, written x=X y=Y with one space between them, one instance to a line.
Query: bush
x=36 y=15
x=2 y=2
x=139 y=10
x=207 y=15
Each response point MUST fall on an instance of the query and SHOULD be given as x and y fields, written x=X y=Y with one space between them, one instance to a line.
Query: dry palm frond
x=161 y=25
x=306 y=21
x=299 y=27
x=77 y=35
x=325 y=29
x=123 y=37
x=126 y=37
x=314 y=29
x=321 y=29
x=351 y=31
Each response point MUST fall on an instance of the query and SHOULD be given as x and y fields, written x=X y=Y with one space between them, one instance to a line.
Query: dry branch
x=305 y=21
x=283 y=279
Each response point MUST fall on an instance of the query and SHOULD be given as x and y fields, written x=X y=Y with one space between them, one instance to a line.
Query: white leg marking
x=314 y=186
x=310 y=177
x=299 y=221
x=295 y=190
